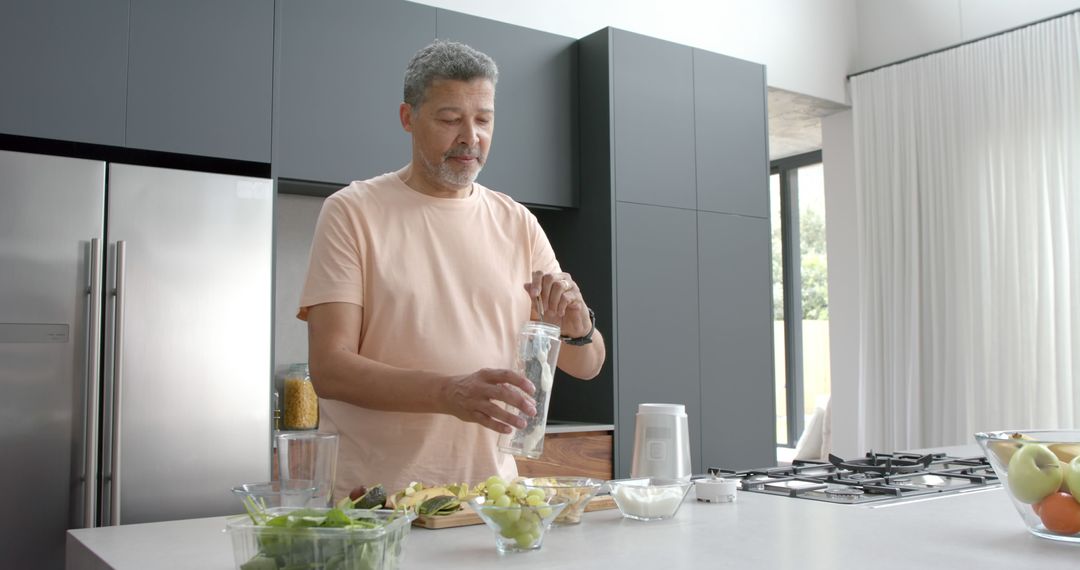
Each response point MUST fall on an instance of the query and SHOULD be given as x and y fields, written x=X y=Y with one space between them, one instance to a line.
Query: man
x=418 y=284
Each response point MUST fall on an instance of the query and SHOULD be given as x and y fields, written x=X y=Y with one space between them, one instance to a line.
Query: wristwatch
x=582 y=340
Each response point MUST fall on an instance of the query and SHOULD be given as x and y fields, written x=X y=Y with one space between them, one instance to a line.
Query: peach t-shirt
x=440 y=281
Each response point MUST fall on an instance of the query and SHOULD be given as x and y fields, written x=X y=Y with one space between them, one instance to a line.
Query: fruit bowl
x=1040 y=471
x=517 y=527
x=649 y=498
x=577 y=491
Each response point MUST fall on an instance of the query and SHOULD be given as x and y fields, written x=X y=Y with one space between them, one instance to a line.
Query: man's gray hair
x=445 y=60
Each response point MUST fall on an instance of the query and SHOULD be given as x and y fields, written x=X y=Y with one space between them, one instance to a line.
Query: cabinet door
x=739 y=428
x=732 y=136
x=340 y=70
x=533 y=154
x=201 y=77
x=64 y=69
x=653 y=93
x=657 y=291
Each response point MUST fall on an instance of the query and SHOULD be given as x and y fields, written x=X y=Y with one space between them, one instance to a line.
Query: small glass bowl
x=518 y=528
x=649 y=498
x=577 y=491
x=1040 y=471
x=271 y=494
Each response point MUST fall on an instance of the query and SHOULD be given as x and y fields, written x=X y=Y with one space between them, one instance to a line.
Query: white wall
x=842 y=243
x=891 y=30
x=808 y=47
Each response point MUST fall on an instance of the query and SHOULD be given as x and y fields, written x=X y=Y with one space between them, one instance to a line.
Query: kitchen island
x=972 y=530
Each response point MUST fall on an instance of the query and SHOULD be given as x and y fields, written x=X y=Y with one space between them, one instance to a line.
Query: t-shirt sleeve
x=543 y=257
x=335 y=267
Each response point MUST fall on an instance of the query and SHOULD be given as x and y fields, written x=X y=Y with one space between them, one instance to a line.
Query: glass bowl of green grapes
x=519 y=517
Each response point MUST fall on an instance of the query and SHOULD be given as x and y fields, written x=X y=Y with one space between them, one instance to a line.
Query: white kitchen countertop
x=975 y=530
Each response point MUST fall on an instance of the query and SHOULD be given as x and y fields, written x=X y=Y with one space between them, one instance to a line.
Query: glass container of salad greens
x=319 y=539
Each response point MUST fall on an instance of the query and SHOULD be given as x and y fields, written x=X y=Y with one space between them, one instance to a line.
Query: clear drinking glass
x=309 y=456
x=536 y=358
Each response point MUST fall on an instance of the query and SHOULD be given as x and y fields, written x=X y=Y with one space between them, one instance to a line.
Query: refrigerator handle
x=118 y=360
x=93 y=386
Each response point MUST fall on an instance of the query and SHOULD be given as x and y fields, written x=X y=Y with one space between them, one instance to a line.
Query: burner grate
x=876 y=477
x=883 y=464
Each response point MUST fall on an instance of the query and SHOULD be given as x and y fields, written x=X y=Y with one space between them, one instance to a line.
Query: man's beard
x=446 y=174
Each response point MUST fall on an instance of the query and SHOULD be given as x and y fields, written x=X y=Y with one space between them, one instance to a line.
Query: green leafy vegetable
x=325 y=539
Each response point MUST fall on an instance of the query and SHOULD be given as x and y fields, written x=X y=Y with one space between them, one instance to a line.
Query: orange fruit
x=1060 y=513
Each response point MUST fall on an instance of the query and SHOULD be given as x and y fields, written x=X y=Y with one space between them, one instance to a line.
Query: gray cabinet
x=338 y=86
x=534 y=152
x=201 y=76
x=657 y=335
x=653 y=114
x=64 y=69
x=690 y=288
x=737 y=389
x=731 y=135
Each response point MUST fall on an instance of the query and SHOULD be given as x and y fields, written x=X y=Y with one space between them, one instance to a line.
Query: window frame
x=788 y=170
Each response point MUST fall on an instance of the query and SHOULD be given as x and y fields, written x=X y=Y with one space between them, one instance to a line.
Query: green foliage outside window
x=814 y=268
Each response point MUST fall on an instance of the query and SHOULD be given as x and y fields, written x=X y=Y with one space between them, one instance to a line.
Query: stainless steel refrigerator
x=135 y=336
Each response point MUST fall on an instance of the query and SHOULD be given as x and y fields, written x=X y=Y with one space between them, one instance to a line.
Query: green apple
x=1072 y=477
x=1034 y=472
x=1064 y=487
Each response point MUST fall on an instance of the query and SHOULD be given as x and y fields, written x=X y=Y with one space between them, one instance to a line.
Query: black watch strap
x=582 y=340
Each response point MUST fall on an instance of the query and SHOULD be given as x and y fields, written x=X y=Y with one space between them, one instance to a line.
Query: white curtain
x=968 y=180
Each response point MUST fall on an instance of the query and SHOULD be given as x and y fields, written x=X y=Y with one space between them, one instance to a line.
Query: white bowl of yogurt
x=649 y=498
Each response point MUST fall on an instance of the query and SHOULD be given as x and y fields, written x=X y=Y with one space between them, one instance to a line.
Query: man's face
x=451 y=132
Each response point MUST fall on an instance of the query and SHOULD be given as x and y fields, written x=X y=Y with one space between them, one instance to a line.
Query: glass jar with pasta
x=301 y=403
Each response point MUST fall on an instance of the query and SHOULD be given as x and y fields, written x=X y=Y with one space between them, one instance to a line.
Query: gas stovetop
x=876 y=477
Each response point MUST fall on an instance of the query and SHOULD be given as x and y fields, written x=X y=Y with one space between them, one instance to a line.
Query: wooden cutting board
x=466 y=516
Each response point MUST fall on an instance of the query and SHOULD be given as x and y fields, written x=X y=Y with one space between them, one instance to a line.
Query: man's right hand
x=473 y=398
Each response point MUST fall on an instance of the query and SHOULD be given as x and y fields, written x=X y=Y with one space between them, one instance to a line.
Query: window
x=800 y=292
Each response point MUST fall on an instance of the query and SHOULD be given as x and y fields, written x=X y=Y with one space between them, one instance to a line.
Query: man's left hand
x=562 y=302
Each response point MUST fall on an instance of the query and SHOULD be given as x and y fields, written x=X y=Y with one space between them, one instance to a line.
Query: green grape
x=493 y=480
x=502 y=501
x=536 y=493
x=512 y=514
x=533 y=500
x=524 y=540
x=544 y=512
x=496 y=490
x=508 y=531
x=516 y=490
x=524 y=526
